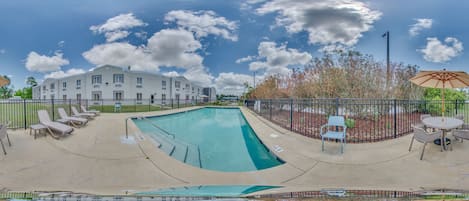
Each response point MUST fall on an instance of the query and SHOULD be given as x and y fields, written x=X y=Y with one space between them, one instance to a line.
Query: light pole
x=254 y=79
x=387 y=59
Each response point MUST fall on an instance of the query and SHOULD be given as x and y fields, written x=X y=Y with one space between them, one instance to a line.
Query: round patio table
x=443 y=123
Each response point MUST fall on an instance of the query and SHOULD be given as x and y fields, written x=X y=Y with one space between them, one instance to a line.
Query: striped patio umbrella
x=3 y=81
x=441 y=79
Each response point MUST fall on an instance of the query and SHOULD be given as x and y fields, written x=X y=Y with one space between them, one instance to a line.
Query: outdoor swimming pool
x=211 y=138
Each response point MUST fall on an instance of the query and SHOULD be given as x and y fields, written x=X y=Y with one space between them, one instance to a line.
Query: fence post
x=172 y=104
x=70 y=106
x=456 y=106
x=337 y=106
x=53 y=108
x=395 y=119
x=102 y=105
x=270 y=107
x=24 y=113
x=291 y=114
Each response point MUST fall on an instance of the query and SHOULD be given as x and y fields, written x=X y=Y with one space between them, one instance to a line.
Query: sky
x=222 y=43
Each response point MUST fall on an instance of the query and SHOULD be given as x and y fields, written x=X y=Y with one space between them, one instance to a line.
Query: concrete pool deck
x=95 y=160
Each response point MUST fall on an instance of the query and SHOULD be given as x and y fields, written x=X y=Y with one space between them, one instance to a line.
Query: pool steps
x=182 y=151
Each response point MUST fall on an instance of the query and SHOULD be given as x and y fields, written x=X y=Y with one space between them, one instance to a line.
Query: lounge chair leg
x=411 y=142
x=8 y=138
x=3 y=147
x=442 y=143
x=322 y=144
x=423 y=150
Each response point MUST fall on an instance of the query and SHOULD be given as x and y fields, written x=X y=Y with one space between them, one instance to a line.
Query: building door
x=152 y=99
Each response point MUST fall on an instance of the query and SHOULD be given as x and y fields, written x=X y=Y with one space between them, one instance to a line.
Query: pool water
x=225 y=140
x=219 y=191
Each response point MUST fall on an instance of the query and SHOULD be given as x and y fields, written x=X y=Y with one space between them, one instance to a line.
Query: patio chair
x=334 y=133
x=74 y=121
x=420 y=135
x=461 y=133
x=95 y=112
x=82 y=114
x=421 y=125
x=4 y=134
x=45 y=120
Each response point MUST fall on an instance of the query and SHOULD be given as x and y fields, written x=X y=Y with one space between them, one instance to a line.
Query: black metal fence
x=368 y=120
x=23 y=113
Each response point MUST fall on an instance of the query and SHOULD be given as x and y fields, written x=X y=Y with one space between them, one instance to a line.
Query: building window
x=64 y=97
x=44 y=97
x=139 y=96
x=177 y=97
x=163 y=98
x=192 y=89
x=52 y=86
x=96 y=95
x=177 y=84
x=78 y=96
x=78 y=84
x=118 y=95
x=187 y=97
x=139 y=81
x=163 y=84
x=52 y=96
x=96 y=79
x=118 y=78
x=187 y=87
x=64 y=85
x=44 y=89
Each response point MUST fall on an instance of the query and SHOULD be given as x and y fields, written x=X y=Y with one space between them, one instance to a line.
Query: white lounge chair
x=4 y=134
x=74 y=121
x=78 y=114
x=44 y=119
x=83 y=108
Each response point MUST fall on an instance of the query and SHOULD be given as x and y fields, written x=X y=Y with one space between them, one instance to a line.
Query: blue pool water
x=219 y=191
x=217 y=139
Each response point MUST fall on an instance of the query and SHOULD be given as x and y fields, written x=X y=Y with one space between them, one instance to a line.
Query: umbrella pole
x=443 y=101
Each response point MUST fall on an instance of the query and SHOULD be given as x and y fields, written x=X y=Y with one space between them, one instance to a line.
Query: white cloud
x=326 y=21
x=245 y=59
x=247 y=5
x=61 y=43
x=61 y=74
x=115 y=35
x=232 y=83
x=436 y=51
x=166 y=48
x=171 y=74
x=121 y=54
x=115 y=28
x=421 y=24
x=175 y=48
x=203 y=23
x=43 y=63
x=277 y=60
x=142 y=35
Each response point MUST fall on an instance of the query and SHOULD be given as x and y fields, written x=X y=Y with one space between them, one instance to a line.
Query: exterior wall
x=151 y=86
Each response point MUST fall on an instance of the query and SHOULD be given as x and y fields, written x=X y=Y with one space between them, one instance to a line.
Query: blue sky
x=221 y=43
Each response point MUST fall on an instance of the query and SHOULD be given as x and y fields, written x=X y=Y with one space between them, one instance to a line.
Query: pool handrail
x=156 y=126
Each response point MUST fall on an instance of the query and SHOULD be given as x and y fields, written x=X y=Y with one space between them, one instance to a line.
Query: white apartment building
x=112 y=83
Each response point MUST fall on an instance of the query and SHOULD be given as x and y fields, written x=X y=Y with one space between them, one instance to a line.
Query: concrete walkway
x=97 y=159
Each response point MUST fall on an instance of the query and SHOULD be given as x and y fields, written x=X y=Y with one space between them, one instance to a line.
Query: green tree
x=434 y=96
x=31 y=81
